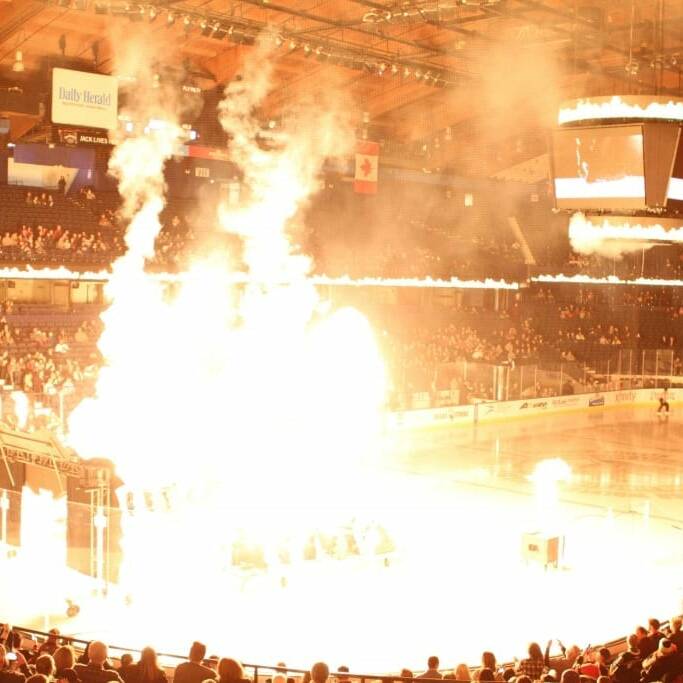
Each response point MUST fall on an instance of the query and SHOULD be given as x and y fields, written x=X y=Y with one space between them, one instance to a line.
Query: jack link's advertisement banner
x=84 y=99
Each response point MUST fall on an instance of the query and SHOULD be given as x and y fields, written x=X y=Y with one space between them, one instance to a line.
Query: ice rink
x=460 y=501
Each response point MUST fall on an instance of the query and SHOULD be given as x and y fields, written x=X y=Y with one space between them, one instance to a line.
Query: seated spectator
x=320 y=672
x=193 y=671
x=98 y=669
x=126 y=666
x=406 y=673
x=461 y=672
x=533 y=666
x=675 y=632
x=627 y=666
x=9 y=665
x=650 y=643
x=432 y=669
x=45 y=665
x=488 y=661
x=231 y=671
x=65 y=658
x=147 y=670
x=665 y=660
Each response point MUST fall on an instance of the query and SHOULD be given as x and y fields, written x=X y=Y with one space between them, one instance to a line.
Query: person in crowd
x=675 y=632
x=37 y=678
x=126 y=666
x=193 y=671
x=488 y=661
x=664 y=660
x=533 y=666
x=51 y=644
x=320 y=672
x=486 y=675
x=10 y=663
x=461 y=672
x=65 y=658
x=407 y=673
x=342 y=674
x=650 y=643
x=565 y=661
x=432 y=668
x=231 y=671
x=98 y=669
x=45 y=665
x=570 y=676
x=147 y=670
x=627 y=666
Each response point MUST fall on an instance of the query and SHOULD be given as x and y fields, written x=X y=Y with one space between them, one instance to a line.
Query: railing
x=464 y=382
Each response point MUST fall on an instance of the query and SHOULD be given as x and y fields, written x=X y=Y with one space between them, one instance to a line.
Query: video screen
x=599 y=168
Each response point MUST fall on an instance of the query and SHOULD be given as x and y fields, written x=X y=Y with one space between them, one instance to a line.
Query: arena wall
x=506 y=410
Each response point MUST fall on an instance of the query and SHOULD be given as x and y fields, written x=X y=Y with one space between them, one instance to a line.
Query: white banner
x=84 y=99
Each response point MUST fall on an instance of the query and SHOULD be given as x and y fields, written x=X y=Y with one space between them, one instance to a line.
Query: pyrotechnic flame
x=227 y=410
x=546 y=476
x=609 y=280
x=626 y=107
x=43 y=527
x=22 y=408
x=61 y=273
x=242 y=278
x=605 y=237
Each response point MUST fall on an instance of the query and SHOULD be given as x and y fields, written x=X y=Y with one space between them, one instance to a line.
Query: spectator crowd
x=647 y=655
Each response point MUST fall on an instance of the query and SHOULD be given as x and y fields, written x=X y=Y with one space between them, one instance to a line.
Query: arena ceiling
x=412 y=68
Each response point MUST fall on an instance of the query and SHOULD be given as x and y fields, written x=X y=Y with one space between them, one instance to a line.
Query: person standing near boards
x=664 y=401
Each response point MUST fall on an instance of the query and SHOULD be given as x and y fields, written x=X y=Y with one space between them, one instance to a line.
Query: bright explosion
x=231 y=412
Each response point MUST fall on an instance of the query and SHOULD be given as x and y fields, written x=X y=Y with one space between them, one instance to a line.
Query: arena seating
x=649 y=654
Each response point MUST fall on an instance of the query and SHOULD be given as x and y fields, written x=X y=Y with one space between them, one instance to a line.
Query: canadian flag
x=367 y=161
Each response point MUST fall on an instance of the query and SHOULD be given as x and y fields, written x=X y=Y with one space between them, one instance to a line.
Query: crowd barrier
x=489 y=411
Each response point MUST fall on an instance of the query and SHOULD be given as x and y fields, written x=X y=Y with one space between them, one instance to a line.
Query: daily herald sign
x=84 y=99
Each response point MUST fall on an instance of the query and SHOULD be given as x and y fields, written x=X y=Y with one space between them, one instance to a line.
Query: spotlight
x=292 y=45
x=204 y=27
x=279 y=41
x=153 y=13
x=187 y=23
x=418 y=74
x=406 y=72
x=170 y=19
x=215 y=27
x=381 y=69
x=394 y=69
x=307 y=50
x=18 y=66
